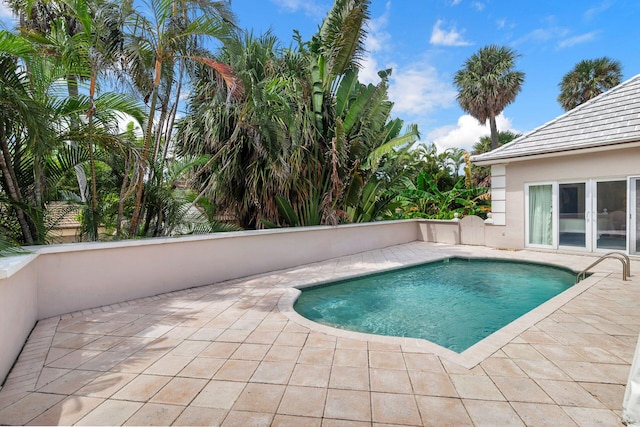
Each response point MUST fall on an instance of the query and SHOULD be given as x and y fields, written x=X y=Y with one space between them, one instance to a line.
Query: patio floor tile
x=476 y=387
x=568 y=393
x=303 y=401
x=353 y=358
x=295 y=421
x=390 y=380
x=282 y=353
x=441 y=411
x=219 y=394
x=516 y=389
x=142 y=388
x=67 y=411
x=198 y=416
x=386 y=360
x=179 y=391
x=311 y=375
x=154 y=414
x=432 y=384
x=543 y=415
x=273 y=372
x=27 y=408
x=225 y=354
x=237 y=370
x=395 y=409
x=247 y=419
x=110 y=412
x=348 y=405
x=106 y=385
x=349 y=378
x=491 y=414
x=591 y=416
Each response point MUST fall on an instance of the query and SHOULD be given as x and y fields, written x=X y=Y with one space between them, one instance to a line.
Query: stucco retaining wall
x=18 y=308
x=59 y=279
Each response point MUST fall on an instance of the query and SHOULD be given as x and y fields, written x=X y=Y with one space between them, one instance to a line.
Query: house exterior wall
x=615 y=163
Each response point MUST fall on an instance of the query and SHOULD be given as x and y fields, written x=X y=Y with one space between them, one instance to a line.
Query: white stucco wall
x=18 y=307
x=618 y=163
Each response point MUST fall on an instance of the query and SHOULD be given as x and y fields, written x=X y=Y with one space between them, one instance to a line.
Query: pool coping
x=470 y=357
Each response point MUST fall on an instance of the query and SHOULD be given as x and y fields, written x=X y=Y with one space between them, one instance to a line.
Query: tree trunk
x=81 y=176
x=123 y=195
x=93 y=234
x=13 y=189
x=135 y=218
x=494 y=132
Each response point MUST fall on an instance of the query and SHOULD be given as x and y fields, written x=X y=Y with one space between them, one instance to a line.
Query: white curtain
x=540 y=215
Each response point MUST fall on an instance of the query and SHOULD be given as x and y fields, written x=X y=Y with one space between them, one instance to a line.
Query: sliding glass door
x=572 y=221
x=634 y=214
x=591 y=215
x=611 y=208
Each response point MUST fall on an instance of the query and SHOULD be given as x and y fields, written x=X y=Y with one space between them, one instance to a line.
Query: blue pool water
x=454 y=303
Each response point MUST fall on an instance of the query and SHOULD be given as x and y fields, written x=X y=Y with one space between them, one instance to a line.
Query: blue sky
x=427 y=41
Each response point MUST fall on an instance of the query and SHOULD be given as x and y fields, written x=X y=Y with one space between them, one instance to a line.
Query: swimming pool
x=454 y=303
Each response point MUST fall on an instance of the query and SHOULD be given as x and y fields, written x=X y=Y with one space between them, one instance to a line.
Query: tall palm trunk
x=145 y=161
x=81 y=176
x=93 y=231
x=494 y=131
x=11 y=184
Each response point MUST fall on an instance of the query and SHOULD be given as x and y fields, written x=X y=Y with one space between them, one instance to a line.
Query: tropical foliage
x=303 y=142
x=481 y=175
x=272 y=136
x=588 y=79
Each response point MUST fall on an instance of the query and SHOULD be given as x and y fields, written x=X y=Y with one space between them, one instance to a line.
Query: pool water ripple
x=454 y=303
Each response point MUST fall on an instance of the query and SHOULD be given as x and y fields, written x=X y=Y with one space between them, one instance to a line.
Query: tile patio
x=233 y=354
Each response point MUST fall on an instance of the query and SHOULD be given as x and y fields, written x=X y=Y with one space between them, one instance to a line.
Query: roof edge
x=491 y=154
x=631 y=143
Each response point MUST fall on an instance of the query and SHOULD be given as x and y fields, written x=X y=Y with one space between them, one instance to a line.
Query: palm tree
x=487 y=84
x=588 y=79
x=249 y=137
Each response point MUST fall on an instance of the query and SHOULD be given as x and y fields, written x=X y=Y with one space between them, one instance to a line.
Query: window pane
x=572 y=224
x=612 y=215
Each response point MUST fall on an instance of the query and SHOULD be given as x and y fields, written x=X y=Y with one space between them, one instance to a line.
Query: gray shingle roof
x=609 y=119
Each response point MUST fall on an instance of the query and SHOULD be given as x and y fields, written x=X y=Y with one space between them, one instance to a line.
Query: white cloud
x=574 y=40
x=596 y=10
x=479 y=6
x=310 y=8
x=378 y=40
x=465 y=133
x=418 y=90
x=369 y=70
x=447 y=38
x=5 y=11
x=455 y=2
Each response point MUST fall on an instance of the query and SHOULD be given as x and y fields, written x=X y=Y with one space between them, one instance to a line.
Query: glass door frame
x=632 y=217
x=591 y=215
x=594 y=215
x=588 y=228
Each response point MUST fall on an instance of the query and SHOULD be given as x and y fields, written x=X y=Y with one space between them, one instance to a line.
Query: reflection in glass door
x=572 y=227
x=634 y=224
x=611 y=208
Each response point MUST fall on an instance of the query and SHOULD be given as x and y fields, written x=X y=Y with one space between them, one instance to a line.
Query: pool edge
x=470 y=357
